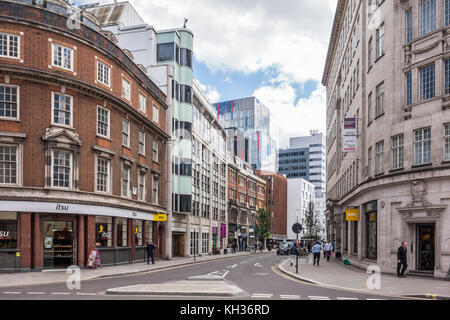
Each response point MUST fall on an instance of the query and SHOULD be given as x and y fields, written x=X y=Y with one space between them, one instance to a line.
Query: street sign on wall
x=351 y=215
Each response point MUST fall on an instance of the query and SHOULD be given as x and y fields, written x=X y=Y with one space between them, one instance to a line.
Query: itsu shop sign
x=4 y=235
x=350 y=135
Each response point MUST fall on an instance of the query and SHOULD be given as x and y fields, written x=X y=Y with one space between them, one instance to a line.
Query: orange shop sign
x=351 y=215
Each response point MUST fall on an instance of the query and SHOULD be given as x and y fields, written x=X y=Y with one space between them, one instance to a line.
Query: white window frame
x=379 y=100
x=142 y=194
x=9 y=35
x=128 y=133
x=155 y=114
x=18 y=102
x=447 y=142
x=101 y=75
x=18 y=164
x=155 y=144
x=141 y=134
x=53 y=109
x=379 y=156
x=126 y=89
x=155 y=189
x=142 y=102
x=397 y=150
x=54 y=46
x=109 y=177
x=421 y=143
x=128 y=195
x=108 y=122
x=380 y=41
x=71 y=174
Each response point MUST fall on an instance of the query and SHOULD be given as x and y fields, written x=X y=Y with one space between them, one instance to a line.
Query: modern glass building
x=253 y=118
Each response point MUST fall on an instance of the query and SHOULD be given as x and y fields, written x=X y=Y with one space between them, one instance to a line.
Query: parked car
x=284 y=249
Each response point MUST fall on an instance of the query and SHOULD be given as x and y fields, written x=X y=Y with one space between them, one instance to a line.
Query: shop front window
x=371 y=230
x=122 y=232
x=8 y=230
x=138 y=233
x=103 y=232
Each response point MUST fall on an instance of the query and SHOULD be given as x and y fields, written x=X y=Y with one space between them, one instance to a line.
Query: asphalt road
x=255 y=274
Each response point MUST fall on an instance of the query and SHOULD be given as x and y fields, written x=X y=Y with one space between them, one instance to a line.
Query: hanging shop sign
x=349 y=135
x=223 y=231
x=160 y=217
x=351 y=215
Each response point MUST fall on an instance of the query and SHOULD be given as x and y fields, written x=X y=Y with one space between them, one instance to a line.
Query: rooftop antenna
x=185 y=22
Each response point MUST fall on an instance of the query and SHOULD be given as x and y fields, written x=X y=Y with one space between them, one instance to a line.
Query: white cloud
x=291 y=119
x=248 y=35
x=210 y=91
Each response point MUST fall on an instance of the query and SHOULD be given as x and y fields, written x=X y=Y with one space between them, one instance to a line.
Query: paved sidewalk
x=55 y=276
x=335 y=274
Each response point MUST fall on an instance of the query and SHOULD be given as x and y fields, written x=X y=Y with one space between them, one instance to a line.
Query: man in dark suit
x=150 y=248
x=401 y=260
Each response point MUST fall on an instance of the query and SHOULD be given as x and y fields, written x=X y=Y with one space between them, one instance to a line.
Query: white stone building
x=299 y=194
x=388 y=66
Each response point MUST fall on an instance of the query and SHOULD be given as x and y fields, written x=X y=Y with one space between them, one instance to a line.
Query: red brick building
x=276 y=202
x=82 y=144
x=246 y=194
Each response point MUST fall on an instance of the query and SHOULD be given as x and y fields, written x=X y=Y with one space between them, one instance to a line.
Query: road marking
x=60 y=293
x=289 y=296
x=258 y=264
x=375 y=299
x=11 y=292
x=318 y=298
x=35 y=292
x=260 y=274
x=232 y=266
x=262 y=295
x=345 y=298
x=243 y=262
x=85 y=294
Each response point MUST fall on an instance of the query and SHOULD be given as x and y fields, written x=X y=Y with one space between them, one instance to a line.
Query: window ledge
x=103 y=137
x=379 y=116
x=380 y=57
x=370 y=68
x=422 y=165
x=396 y=170
x=9 y=119
x=445 y=162
x=379 y=174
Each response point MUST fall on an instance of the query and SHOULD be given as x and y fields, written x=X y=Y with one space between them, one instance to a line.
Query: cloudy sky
x=274 y=50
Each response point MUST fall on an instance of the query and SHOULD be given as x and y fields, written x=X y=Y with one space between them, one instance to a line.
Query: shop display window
x=8 y=230
x=103 y=231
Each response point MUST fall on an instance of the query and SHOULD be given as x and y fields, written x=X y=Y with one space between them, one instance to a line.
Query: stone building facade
x=82 y=143
x=388 y=67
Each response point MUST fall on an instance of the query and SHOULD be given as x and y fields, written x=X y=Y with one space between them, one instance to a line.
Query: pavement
x=334 y=274
x=62 y=275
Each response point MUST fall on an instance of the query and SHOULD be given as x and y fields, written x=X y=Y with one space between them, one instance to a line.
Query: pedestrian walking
x=402 y=260
x=316 y=251
x=328 y=247
x=150 y=252
x=309 y=247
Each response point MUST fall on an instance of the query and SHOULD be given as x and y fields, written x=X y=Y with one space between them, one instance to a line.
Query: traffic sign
x=297 y=228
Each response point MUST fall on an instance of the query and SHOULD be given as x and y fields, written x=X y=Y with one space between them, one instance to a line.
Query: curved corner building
x=82 y=143
x=388 y=71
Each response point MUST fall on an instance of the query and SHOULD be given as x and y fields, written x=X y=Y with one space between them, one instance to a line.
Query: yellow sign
x=17 y=254
x=351 y=215
x=160 y=217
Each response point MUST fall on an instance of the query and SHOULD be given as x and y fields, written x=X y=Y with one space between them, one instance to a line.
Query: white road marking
x=85 y=294
x=243 y=261
x=60 y=293
x=11 y=292
x=258 y=264
x=35 y=292
x=289 y=296
x=262 y=295
x=375 y=299
x=233 y=266
x=222 y=273
x=345 y=298
x=318 y=298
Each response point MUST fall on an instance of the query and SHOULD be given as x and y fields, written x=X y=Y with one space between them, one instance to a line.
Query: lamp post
x=296 y=255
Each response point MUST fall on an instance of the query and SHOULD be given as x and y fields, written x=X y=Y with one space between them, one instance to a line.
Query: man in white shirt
x=328 y=248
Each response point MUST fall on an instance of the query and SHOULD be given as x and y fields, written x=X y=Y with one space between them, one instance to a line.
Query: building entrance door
x=425 y=246
x=177 y=244
x=58 y=244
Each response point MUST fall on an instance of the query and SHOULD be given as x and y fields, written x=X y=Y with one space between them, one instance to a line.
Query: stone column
x=90 y=234
x=37 y=243
x=132 y=238
x=25 y=240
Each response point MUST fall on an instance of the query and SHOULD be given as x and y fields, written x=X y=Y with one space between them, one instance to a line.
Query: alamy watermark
x=374 y=281
x=73 y=282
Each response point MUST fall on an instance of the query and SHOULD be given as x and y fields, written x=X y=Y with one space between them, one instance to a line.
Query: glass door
x=425 y=247
x=58 y=244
